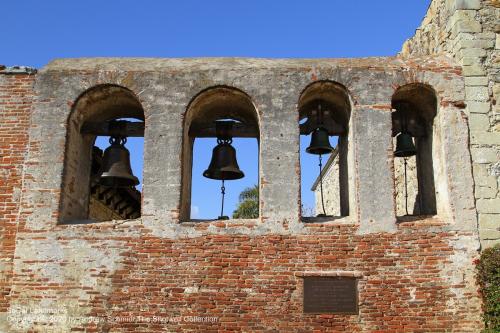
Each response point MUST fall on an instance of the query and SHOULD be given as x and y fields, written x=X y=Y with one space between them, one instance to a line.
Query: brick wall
x=157 y=273
x=245 y=275
x=468 y=31
x=16 y=93
x=416 y=280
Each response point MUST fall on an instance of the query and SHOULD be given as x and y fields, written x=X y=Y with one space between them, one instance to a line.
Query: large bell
x=116 y=166
x=404 y=146
x=223 y=165
x=320 y=142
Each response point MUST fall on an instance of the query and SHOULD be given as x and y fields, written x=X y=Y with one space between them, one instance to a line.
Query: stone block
x=473 y=43
x=485 y=35
x=465 y=26
x=488 y=181
x=488 y=206
x=472 y=52
x=478 y=107
x=489 y=221
x=476 y=81
x=495 y=169
x=462 y=15
x=497 y=42
x=464 y=21
x=491 y=181
x=481 y=173
x=486 y=243
x=467 y=4
x=485 y=138
x=470 y=61
x=484 y=155
x=473 y=69
x=489 y=233
x=496 y=91
x=479 y=94
x=478 y=122
x=485 y=192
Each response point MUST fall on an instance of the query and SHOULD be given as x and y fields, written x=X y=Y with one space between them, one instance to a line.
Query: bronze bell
x=116 y=165
x=404 y=145
x=320 y=142
x=223 y=165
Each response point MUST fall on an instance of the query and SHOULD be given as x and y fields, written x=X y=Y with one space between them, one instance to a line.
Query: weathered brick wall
x=415 y=276
x=416 y=280
x=158 y=273
x=16 y=94
x=469 y=31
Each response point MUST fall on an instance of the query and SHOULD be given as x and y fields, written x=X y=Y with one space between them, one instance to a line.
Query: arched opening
x=326 y=105
x=207 y=115
x=99 y=113
x=415 y=107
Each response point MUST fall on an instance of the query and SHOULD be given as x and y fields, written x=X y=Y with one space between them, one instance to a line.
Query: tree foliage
x=248 y=206
x=488 y=278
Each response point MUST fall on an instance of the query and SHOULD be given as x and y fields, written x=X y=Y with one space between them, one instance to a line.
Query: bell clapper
x=223 y=192
x=405 y=159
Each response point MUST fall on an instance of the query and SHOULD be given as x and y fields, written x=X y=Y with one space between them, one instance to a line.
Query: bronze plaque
x=330 y=295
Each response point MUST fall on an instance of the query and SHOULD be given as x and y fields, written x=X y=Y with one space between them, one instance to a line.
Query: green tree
x=248 y=207
x=488 y=278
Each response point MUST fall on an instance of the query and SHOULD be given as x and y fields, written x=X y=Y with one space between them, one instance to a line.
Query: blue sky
x=35 y=32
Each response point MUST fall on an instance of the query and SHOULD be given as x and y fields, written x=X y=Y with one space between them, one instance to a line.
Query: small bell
x=320 y=142
x=223 y=165
x=116 y=165
x=404 y=145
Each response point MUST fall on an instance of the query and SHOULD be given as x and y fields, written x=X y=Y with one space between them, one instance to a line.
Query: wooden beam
x=114 y=128
x=329 y=124
x=238 y=131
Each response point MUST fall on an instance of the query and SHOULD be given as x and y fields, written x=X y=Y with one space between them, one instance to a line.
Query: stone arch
x=209 y=105
x=337 y=102
x=415 y=106
x=98 y=104
x=337 y=106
